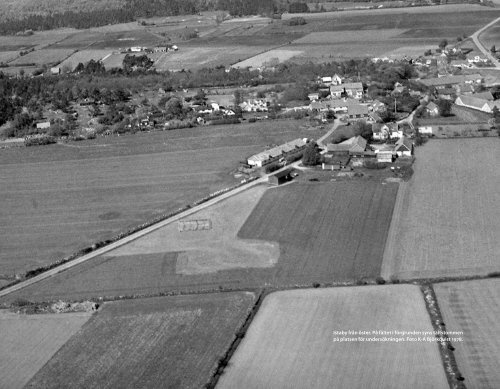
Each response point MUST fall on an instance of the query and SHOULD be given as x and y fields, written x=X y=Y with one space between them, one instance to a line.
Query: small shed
x=280 y=177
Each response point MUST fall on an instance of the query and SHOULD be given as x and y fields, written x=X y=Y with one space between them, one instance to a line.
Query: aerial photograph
x=249 y=194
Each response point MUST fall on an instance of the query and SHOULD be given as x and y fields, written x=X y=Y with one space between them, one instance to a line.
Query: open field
x=322 y=245
x=272 y=55
x=195 y=57
x=6 y=56
x=374 y=34
x=449 y=223
x=114 y=61
x=491 y=37
x=125 y=39
x=172 y=342
x=473 y=307
x=38 y=40
x=29 y=341
x=160 y=259
x=83 y=56
x=61 y=198
x=291 y=344
x=43 y=57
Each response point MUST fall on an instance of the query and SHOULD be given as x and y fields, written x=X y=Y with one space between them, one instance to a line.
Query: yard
x=449 y=219
x=292 y=343
x=473 y=307
x=172 y=342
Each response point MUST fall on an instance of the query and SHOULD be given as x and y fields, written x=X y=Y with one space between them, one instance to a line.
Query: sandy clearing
x=29 y=341
x=214 y=249
x=291 y=344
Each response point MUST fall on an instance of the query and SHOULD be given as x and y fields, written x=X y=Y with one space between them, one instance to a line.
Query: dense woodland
x=136 y=9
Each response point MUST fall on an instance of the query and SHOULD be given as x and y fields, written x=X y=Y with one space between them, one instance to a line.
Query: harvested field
x=39 y=40
x=61 y=198
x=291 y=344
x=195 y=57
x=114 y=60
x=6 y=56
x=149 y=343
x=29 y=341
x=373 y=34
x=473 y=307
x=272 y=55
x=125 y=39
x=449 y=223
x=43 y=57
x=83 y=56
x=322 y=245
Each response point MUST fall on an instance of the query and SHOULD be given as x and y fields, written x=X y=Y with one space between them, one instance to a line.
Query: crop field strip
x=290 y=342
x=473 y=307
x=59 y=199
x=173 y=341
x=450 y=215
x=262 y=253
x=29 y=341
x=43 y=57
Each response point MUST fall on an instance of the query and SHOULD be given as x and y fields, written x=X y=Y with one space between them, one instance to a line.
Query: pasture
x=291 y=342
x=473 y=307
x=335 y=232
x=29 y=341
x=83 y=56
x=39 y=40
x=449 y=222
x=113 y=61
x=200 y=56
x=61 y=198
x=491 y=36
x=43 y=57
x=170 y=342
x=275 y=55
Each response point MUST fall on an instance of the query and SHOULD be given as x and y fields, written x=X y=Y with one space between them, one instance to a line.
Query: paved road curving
x=485 y=51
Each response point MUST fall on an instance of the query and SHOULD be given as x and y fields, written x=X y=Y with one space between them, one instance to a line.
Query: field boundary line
x=388 y=258
x=132 y=237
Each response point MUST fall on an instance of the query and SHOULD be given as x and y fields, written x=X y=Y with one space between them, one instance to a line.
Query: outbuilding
x=280 y=177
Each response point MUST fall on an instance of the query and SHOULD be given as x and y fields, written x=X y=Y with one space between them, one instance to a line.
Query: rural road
x=320 y=141
x=485 y=51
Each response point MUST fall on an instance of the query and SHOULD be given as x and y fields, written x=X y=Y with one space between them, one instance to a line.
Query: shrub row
x=453 y=374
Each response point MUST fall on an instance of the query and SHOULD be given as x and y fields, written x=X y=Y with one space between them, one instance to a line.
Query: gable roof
x=432 y=106
x=484 y=95
x=348 y=85
x=471 y=101
x=357 y=109
x=403 y=143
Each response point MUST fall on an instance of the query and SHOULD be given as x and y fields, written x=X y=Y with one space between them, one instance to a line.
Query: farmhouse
x=404 y=147
x=280 y=177
x=313 y=96
x=380 y=131
x=432 y=109
x=425 y=130
x=291 y=148
x=351 y=89
x=483 y=105
x=42 y=125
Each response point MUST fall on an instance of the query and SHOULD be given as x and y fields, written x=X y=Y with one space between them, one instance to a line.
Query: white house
x=404 y=147
x=336 y=79
x=425 y=130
